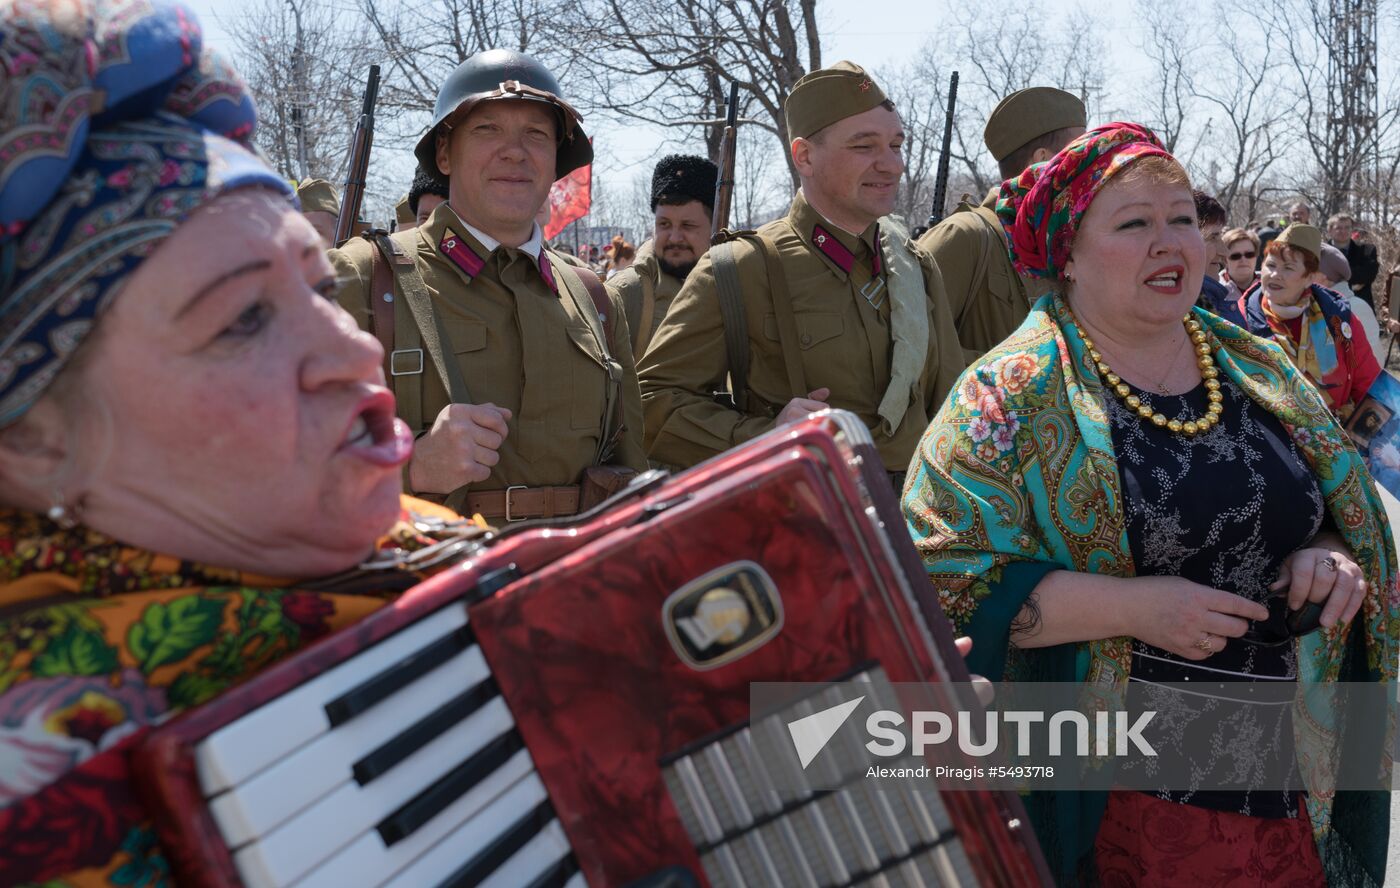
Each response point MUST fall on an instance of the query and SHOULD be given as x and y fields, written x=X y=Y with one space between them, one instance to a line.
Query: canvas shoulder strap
x=602 y=306
x=423 y=327
x=787 y=319
x=736 y=324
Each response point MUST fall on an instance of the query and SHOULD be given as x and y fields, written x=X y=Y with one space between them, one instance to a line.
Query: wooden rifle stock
x=940 y=183
x=724 y=187
x=359 y=163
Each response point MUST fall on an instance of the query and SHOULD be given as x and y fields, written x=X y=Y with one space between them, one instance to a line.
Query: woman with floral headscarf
x=187 y=422
x=1091 y=506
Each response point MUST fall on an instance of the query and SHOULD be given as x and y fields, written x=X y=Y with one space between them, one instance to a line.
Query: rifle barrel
x=358 y=170
x=940 y=185
x=724 y=187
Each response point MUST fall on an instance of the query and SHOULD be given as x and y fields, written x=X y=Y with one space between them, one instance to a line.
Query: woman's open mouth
x=376 y=434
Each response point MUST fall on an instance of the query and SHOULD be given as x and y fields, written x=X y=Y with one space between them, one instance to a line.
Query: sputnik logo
x=811 y=733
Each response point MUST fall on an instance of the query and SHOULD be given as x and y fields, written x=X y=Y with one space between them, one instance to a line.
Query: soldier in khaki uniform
x=500 y=359
x=840 y=309
x=682 y=204
x=988 y=299
x=320 y=204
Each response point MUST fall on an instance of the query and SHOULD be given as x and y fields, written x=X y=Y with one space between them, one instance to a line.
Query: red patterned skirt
x=1146 y=842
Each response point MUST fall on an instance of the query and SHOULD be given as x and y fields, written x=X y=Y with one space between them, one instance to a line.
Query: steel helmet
x=505 y=74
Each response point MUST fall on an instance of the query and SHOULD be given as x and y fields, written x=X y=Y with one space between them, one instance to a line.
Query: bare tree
x=1000 y=49
x=669 y=64
x=1171 y=49
x=307 y=90
x=422 y=41
x=1244 y=96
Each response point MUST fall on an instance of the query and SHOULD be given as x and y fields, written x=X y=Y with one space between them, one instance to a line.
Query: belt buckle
x=509 y=517
x=393 y=364
x=873 y=292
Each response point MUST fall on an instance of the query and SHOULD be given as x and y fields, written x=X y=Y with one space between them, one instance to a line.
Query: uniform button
x=806 y=339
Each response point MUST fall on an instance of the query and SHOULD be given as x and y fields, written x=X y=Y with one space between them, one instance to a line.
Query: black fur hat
x=684 y=176
x=424 y=184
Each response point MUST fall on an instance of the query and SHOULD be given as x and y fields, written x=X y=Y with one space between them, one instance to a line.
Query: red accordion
x=569 y=705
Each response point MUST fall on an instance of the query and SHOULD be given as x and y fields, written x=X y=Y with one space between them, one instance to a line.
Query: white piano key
x=548 y=847
x=239 y=750
x=453 y=852
x=368 y=862
x=282 y=857
x=257 y=807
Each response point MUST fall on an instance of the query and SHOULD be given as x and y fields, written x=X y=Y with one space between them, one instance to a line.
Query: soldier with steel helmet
x=513 y=369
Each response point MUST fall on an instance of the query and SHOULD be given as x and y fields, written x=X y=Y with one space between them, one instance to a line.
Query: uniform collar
x=838 y=247
x=992 y=196
x=468 y=247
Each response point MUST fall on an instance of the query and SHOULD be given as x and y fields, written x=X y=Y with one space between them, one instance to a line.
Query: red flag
x=569 y=199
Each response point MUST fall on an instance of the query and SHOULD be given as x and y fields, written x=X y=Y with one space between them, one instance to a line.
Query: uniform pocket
x=465 y=336
x=813 y=328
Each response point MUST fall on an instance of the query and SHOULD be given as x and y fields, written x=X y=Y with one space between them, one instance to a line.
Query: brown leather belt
x=520 y=502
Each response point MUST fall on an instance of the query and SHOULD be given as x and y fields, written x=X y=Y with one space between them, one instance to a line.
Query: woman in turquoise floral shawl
x=1085 y=520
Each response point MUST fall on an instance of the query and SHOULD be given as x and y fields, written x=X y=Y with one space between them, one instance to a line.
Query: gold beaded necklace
x=1209 y=373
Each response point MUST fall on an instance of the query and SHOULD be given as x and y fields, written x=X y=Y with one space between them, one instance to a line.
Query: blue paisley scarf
x=1016 y=477
x=115 y=124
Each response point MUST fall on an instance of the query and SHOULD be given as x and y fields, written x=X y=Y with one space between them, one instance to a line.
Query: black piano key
x=424 y=731
x=396 y=677
x=558 y=875
x=455 y=784
x=474 y=871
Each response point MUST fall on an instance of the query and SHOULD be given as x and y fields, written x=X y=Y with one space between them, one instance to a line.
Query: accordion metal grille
x=761 y=822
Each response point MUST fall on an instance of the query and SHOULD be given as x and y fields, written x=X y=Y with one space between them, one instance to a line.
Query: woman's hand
x=1325 y=572
x=1188 y=619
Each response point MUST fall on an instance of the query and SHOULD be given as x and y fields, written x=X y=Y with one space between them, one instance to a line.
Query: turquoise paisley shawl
x=1016 y=477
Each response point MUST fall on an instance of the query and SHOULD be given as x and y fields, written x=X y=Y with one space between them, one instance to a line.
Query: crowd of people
x=1091 y=393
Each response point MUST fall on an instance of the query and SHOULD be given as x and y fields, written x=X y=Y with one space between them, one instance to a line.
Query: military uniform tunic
x=522 y=342
x=845 y=343
x=631 y=285
x=986 y=296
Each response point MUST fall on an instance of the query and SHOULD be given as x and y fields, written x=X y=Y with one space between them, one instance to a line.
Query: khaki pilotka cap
x=1303 y=237
x=1028 y=114
x=827 y=95
x=318 y=194
x=402 y=213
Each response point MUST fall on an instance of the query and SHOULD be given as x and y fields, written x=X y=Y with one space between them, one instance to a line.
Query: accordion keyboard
x=758 y=819
x=399 y=767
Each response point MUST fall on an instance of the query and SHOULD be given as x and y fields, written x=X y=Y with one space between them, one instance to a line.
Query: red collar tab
x=547 y=272
x=456 y=249
x=827 y=244
x=833 y=249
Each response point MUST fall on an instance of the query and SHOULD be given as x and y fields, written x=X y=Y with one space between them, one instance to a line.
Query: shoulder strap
x=394 y=327
x=641 y=336
x=787 y=320
x=415 y=294
x=599 y=294
x=612 y=418
x=381 y=303
x=736 y=323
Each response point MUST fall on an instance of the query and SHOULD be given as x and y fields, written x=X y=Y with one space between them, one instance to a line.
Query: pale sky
x=883 y=35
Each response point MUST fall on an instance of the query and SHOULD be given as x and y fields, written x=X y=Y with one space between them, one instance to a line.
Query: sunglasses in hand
x=1284 y=625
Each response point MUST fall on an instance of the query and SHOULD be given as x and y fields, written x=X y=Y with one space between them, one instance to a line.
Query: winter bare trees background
x=1240 y=95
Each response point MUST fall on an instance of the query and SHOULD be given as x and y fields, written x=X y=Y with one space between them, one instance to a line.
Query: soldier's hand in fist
x=798 y=408
x=460 y=448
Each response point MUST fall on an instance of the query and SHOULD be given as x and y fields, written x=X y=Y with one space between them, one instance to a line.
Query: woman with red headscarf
x=1091 y=505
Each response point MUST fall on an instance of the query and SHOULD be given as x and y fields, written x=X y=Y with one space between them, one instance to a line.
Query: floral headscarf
x=115 y=125
x=1041 y=209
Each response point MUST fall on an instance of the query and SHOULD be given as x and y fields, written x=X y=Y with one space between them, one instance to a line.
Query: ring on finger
x=1205 y=643
x=1330 y=562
